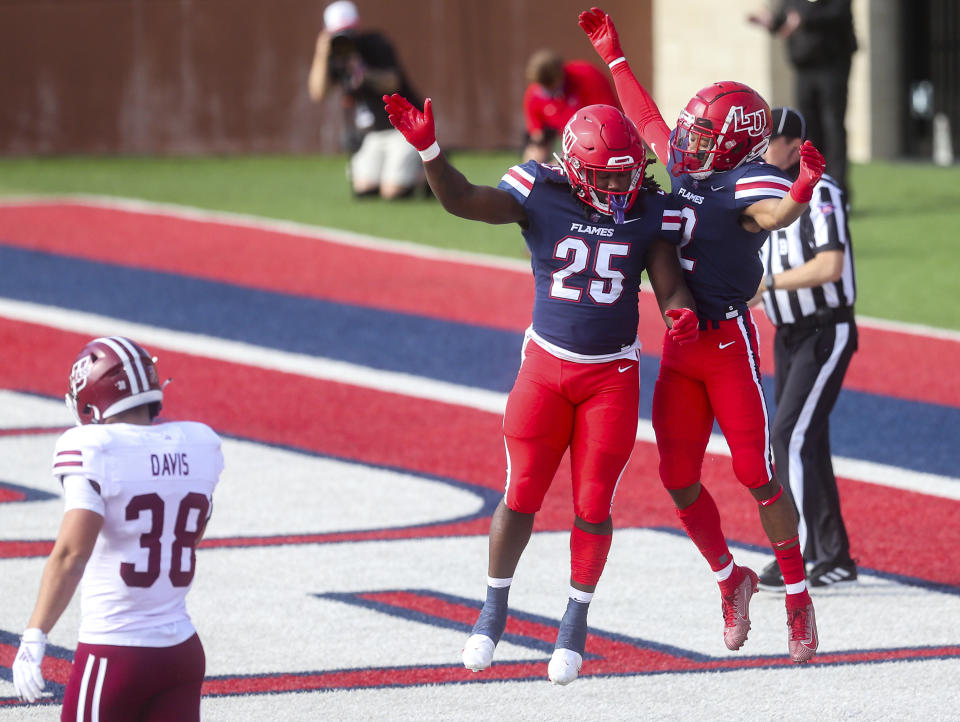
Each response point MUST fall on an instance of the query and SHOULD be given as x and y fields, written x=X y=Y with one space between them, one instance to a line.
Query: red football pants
x=591 y=408
x=150 y=684
x=717 y=376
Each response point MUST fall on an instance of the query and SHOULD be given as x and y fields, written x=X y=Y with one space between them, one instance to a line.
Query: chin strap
x=618 y=208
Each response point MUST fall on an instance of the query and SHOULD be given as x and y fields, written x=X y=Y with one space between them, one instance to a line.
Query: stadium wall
x=230 y=76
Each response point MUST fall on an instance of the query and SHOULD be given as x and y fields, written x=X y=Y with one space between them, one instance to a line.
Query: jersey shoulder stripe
x=762 y=186
x=671 y=220
x=77 y=452
x=67 y=460
x=519 y=179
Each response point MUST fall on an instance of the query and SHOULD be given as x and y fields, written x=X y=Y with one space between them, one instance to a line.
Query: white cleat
x=564 y=666
x=478 y=652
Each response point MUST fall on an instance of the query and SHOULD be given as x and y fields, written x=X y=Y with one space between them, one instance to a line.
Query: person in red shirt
x=556 y=91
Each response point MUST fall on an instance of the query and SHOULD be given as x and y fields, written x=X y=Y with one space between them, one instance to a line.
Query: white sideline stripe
x=258 y=356
x=402 y=384
x=305 y=230
x=335 y=235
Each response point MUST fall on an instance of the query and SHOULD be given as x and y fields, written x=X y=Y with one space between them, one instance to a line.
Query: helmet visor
x=694 y=145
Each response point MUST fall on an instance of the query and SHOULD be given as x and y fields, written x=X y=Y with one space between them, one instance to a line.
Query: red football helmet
x=112 y=375
x=600 y=139
x=723 y=125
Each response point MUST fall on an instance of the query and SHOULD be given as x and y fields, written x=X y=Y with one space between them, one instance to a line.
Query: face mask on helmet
x=111 y=375
x=604 y=159
x=722 y=127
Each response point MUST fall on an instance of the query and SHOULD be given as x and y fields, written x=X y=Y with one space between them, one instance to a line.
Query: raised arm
x=318 y=81
x=456 y=194
x=773 y=214
x=636 y=101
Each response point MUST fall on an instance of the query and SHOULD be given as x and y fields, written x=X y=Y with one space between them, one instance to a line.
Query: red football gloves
x=811 y=168
x=599 y=27
x=686 y=326
x=415 y=126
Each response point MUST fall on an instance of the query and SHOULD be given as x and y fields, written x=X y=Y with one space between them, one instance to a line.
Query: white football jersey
x=156 y=485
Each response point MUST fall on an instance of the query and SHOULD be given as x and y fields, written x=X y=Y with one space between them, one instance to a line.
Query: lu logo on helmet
x=753 y=123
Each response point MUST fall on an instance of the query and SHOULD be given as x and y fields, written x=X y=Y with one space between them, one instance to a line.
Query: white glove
x=27 y=677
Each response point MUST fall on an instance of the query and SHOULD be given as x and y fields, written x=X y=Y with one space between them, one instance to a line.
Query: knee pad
x=752 y=467
x=680 y=464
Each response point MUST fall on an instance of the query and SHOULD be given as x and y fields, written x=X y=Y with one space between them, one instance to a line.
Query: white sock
x=724 y=574
x=578 y=595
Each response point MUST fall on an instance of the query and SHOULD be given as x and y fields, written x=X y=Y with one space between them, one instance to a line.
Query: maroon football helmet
x=112 y=374
x=724 y=125
x=601 y=139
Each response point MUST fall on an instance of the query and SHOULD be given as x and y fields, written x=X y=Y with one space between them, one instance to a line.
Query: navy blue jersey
x=586 y=269
x=720 y=258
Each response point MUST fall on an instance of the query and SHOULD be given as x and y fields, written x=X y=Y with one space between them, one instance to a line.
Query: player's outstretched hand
x=415 y=126
x=599 y=27
x=27 y=677
x=812 y=165
x=686 y=326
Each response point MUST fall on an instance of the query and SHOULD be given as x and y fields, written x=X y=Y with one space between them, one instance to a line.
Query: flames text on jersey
x=690 y=196
x=591 y=230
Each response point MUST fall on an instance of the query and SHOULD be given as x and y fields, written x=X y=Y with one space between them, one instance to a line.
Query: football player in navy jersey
x=729 y=201
x=592 y=224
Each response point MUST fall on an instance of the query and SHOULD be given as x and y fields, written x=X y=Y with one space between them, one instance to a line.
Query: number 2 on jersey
x=689 y=220
x=183 y=538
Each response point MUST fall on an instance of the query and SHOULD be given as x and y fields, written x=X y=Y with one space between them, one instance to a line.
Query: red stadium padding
x=890 y=526
x=499 y=298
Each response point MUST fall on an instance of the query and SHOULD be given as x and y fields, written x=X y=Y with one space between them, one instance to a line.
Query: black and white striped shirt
x=823 y=227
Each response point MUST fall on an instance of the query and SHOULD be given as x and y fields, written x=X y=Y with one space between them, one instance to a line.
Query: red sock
x=588 y=556
x=790 y=561
x=701 y=521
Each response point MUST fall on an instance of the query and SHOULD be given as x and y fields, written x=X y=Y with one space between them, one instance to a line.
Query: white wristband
x=619 y=60
x=33 y=634
x=430 y=153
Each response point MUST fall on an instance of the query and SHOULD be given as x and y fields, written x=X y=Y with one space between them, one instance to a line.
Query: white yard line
x=398 y=383
x=335 y=235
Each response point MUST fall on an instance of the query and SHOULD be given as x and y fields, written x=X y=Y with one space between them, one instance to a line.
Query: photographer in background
x=556 y=91
x=365 y=67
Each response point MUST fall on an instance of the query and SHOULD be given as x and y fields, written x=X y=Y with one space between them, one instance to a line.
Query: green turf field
x=903 y=224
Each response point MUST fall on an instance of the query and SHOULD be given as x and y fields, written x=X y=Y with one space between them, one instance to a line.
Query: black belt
x=822 y=317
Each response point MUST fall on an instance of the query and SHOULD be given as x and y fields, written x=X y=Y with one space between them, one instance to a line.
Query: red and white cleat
x=736 y=610
x=802 y=637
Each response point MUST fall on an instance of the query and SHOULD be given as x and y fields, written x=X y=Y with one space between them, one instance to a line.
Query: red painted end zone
x=465 y=444
x=891 y=363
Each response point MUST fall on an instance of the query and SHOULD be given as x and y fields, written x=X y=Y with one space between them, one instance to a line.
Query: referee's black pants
x=810 y=364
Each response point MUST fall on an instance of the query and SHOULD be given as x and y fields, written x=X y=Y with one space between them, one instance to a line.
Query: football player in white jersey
x=137 y=496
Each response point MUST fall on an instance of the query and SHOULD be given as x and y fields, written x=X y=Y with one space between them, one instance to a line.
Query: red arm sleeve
x=640 y=108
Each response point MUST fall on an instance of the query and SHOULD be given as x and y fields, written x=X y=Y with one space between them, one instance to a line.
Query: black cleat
x=770 y=578
x=830 y=574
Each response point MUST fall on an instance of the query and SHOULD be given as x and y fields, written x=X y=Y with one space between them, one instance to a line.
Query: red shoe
x=736 y=610
x=802 y=637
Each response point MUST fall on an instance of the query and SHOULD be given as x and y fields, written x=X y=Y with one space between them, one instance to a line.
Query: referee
x=808 y=293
